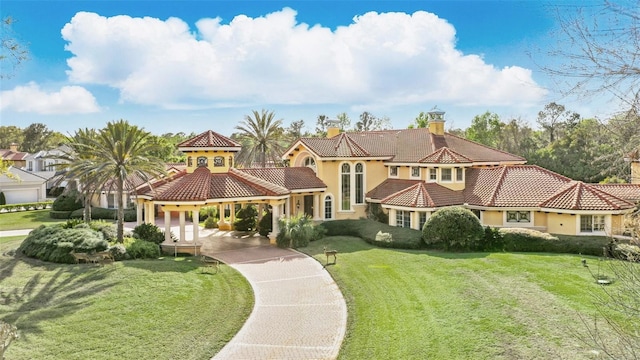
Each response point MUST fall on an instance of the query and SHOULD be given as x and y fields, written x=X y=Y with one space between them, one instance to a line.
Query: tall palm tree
x=119 y=153
x=261 y=137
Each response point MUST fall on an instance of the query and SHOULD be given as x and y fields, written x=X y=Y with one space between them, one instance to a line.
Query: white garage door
x=15 y=196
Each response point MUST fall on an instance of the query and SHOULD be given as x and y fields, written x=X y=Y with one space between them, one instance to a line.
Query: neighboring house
x=408 y=174
x=24 y=188
x=41 y=164
x=13 y=156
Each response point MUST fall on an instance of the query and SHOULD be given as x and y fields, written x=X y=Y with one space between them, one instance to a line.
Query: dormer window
x=310 y=163
x=202 y=161
x=218 y=161
x=445 y=175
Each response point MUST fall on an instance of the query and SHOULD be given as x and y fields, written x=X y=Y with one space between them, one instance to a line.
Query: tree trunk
x=120 y=211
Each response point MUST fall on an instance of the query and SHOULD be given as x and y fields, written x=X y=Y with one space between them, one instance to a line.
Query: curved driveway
x=299 y=312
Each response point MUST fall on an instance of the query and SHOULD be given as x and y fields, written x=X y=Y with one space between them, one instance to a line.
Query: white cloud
x=387 y=58
x=31 y=99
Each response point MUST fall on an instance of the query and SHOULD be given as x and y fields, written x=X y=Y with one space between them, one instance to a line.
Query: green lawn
x=432 y=305
x=139 y=309
x=19 y=220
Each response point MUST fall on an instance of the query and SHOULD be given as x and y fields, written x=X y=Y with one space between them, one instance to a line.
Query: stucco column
x=167 y=226
x=232 y=213
x=275 y=215
x=152 y=213
x=182 y=229
x=139 y=206
x=196 y=226
x=316 y=206
x=103 y=200
x=392 y=217
x=260 y=210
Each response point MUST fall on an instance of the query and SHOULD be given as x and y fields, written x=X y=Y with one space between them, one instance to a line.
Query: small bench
x=210 y=262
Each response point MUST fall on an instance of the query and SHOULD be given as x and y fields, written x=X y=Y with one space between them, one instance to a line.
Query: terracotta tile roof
x=176 y=166
x=629 y=192
x=160 y=185
x=209 y=139
x=292 y=178
x=511 y=186
x=9 y=155
x=581 y=196
x=389 y=187
x=444 y=155
x=194 y=187
x=405 y=146
x=425 y=195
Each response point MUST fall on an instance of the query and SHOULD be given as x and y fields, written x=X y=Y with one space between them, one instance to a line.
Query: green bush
x=375 y=212
x=3 y=199
x=119 y=252
x=295 y=231
x=72 y=223
x=492 y=240
x=367 y=229
x=59 y=214
x=67 y=202
x=453 y=228
x=141 y=249
x=55 y=243
x=529 y=240
x=208 y=212
x=265 y=225
x=148 y=232
x=108 y=230
x=246 y=218
x=210 y=223
x=98 y=213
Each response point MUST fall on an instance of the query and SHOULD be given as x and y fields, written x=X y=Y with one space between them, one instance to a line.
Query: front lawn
x=137 y=309
x=19 y=220
x=416 y=304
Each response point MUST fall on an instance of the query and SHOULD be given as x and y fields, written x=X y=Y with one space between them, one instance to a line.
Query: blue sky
x=172 y=66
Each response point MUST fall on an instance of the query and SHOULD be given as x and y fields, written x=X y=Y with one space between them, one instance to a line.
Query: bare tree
x=12 y=51
x=599 y=48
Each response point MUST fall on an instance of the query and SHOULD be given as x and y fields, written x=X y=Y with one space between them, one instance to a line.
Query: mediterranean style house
x=407 y=174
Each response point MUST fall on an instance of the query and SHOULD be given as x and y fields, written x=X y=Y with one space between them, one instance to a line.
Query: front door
x=308 y=205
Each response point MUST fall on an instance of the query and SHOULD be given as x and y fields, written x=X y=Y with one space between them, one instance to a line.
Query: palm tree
x=119 y=153
x=261 y=137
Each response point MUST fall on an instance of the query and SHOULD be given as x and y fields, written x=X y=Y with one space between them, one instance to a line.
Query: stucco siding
x=564 y=224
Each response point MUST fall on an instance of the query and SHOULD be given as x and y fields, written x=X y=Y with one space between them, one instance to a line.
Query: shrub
x=375 y=212
x=108 y=230
x=98 y=213
x=528 y=240
x=3 y=199
x=59 y=214
x=246 y=218
x=119 y=252
x=67 y=202
x=148 y=232
x=208 y=212
x=72 y=223
x=453 y=227
x=626 y=252
x=54 y=243
x=295 y=231
x=383 y=237
x=141 y=249
x=492 y=240
x=367 y=229
x=265 y=225
x=210 y=223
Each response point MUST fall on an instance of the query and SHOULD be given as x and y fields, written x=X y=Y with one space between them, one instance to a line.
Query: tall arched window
x=345 y=187
x=310 y=163
x=328 y=207
x=359 y=183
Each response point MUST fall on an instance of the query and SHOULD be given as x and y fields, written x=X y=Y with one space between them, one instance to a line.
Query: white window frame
x=420 y=222
x=310 y=162
x=595 y=226
x=518 y=216
x=434 y=172
x=442 y=172
x=328 y=197
x=459 y=174
x=405 y=216
x=354 y=183
x=341 y=184
x=397 y=171
x=412 y=168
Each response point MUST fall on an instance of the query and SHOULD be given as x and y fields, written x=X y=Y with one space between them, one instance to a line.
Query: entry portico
x=209 y=180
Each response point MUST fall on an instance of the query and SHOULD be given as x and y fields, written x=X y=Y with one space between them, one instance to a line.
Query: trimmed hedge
x=26 y=206
x=367 y=229
x=61 y=214
x=528 y=240
x=67 y=202
x=99 y=213
x=54 y=243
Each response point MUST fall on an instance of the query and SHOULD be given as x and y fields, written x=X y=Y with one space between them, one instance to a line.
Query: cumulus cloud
x=392 y=58
x=31 y=99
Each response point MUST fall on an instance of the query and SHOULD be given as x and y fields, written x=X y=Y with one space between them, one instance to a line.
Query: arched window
x=310 y=163
x=359 y=183
x=328 y=207
x=345 y=187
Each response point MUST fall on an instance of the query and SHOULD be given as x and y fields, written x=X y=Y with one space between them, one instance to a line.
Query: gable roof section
x=209 y=139
x=291 y=178
x=9 y=155
x=444 y=155
x=389 y=187
x=581 y=196
x=425 y=195
x=22 y=176
x=628 y=192
x=511 y=186
x=403 y=146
